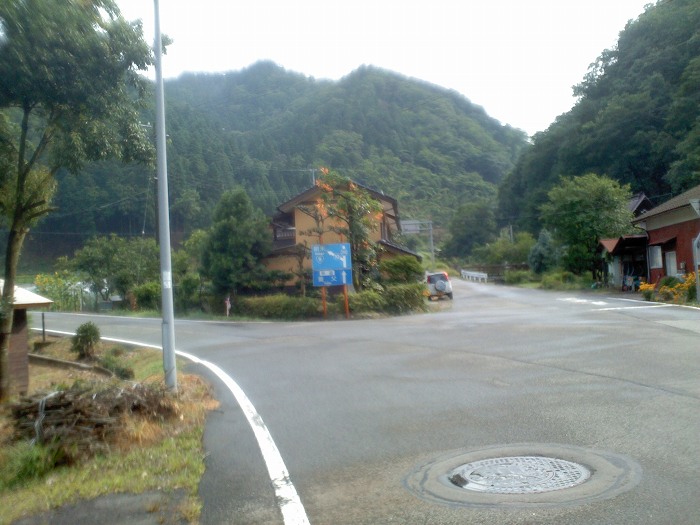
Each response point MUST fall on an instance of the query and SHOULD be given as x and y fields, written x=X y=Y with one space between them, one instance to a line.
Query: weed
x=24 y=462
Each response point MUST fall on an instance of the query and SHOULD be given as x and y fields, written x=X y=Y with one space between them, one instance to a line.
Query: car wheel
x=440 y=286
x=449 y=295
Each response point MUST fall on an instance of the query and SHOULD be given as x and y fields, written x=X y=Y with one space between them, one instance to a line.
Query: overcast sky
x=516 y=58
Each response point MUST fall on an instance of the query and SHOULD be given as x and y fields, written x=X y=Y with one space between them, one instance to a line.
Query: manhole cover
x=519 y=475
x=523 y=475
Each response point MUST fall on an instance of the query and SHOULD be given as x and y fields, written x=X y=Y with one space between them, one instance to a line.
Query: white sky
x=516 y=58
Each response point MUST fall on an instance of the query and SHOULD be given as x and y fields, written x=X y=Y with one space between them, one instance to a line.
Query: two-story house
x=295 y=230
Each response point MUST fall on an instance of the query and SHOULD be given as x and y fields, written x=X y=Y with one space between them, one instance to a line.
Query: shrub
x=404 y=298
x=85 y=340
x=148 y=295
x=692 y=294
x=402 y=269
x=669 y=281
x=367 y=301
x=517 y=276
x=279 y=306
x=564 y=280
x=647 y=290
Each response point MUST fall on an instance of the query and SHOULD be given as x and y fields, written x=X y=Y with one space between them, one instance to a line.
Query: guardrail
x=475 y=276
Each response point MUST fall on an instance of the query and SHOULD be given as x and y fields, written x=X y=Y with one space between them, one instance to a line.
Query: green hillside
x=637 y=119
x=268 y=130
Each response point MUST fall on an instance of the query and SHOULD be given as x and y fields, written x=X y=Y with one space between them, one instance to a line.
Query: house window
x=655 y=259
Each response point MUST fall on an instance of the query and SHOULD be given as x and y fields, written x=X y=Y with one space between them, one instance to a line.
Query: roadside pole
x=696 y=260
x=168 y=325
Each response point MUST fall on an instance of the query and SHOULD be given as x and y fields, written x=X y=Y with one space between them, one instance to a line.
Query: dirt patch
x=149 y=508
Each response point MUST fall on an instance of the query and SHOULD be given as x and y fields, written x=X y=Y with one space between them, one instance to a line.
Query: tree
x=505 y=250
x=236 y=243
x=187 y=272
x=581 y=211
x=115 y=265
x=353 y=215
x=69 y=76
x=474 y=223
x=544 y=255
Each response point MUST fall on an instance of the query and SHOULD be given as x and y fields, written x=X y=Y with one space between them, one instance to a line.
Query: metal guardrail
x=474 y=276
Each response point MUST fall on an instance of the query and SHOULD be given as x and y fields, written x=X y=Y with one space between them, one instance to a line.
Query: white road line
x=290 y=504
x=293 y=512
x=655 y=305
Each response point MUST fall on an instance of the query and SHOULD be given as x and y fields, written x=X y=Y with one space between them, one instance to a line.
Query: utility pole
x=168 y=325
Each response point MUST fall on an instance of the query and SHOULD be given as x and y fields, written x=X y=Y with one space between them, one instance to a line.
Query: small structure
x=18 y=355
x=625 y=262
x=624 y=259
x=671 y=228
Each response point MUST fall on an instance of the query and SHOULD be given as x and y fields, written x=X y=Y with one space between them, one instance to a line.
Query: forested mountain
x=637 y=119
x=268 y=129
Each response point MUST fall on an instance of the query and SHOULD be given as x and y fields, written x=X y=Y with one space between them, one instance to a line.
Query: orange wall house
x=291 y=228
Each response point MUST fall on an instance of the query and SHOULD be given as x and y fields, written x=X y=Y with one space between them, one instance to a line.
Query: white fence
x=475 y=276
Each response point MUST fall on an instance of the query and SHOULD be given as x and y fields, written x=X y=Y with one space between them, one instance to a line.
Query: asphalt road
x=365 y=412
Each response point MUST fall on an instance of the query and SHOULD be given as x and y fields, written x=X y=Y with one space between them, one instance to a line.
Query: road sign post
x=332 y=266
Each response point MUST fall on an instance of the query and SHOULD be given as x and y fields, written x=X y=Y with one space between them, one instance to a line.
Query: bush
x=279 y=306
x=517 y=277
x=692 y=295
x=647 y=290
x=85 y=340
x=404 y=298
x=148 y=295
x=402 y=269
x=367 y=301
x=564 y=280
x=669 y=281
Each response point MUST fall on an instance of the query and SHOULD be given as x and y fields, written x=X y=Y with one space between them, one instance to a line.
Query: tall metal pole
x=696 y=261
x=168 y=326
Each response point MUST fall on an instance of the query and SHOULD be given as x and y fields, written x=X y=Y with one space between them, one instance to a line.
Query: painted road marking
x=639 y=304
x=293 y=512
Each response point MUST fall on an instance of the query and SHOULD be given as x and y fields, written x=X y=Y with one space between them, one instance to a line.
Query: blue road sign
x=331 y=257
x=332 y=277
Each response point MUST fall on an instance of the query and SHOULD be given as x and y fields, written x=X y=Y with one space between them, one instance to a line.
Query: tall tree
x=69 y=77
x=581 y=211
x=474 y=223
x=236 y=244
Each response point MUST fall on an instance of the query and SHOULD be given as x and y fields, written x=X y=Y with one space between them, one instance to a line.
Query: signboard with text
x=331 y=264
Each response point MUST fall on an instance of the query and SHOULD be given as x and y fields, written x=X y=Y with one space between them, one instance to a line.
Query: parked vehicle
x=439 y=285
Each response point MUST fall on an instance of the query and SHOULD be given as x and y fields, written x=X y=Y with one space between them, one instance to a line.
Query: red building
x=671 y=228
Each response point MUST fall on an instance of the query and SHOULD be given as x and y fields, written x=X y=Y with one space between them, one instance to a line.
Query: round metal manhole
x=519 y=475
x=523 y=475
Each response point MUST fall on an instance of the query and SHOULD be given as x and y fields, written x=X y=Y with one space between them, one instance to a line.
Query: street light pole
x=168 y=325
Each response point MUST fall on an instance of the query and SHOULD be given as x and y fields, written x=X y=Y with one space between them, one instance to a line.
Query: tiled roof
x=672 y=204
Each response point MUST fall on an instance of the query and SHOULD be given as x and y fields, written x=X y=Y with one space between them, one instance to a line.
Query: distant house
x=293 y=224
x=19 y=341
x=671 y=229
x=626 y=256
